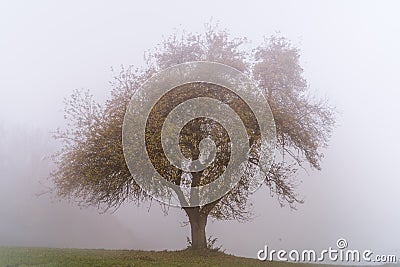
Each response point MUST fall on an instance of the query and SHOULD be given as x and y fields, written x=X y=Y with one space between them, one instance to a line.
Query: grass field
x=10 y=256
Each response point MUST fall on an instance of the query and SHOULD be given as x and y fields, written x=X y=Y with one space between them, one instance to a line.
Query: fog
x=350 y=54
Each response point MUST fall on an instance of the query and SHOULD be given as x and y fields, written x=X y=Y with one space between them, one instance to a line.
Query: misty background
x=350 y=55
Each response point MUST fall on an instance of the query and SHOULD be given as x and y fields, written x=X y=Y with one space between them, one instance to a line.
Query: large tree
x=91 y=167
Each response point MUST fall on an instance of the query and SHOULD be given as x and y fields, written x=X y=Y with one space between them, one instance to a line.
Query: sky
x=350 y=55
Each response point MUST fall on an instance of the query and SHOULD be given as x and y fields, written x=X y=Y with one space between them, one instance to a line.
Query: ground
x=11 y=256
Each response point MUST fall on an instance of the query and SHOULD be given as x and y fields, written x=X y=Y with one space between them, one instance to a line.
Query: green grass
x=13 y=256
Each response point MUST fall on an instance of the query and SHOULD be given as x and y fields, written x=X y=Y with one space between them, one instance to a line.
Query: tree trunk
x=198 y=222
x=198 y=217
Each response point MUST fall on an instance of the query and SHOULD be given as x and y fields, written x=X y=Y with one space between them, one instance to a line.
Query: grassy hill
x=10 y=256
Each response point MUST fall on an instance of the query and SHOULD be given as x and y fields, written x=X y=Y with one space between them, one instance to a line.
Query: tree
x=91 y=167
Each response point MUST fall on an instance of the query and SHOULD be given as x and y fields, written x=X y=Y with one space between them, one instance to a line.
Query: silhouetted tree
x=92 y=167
